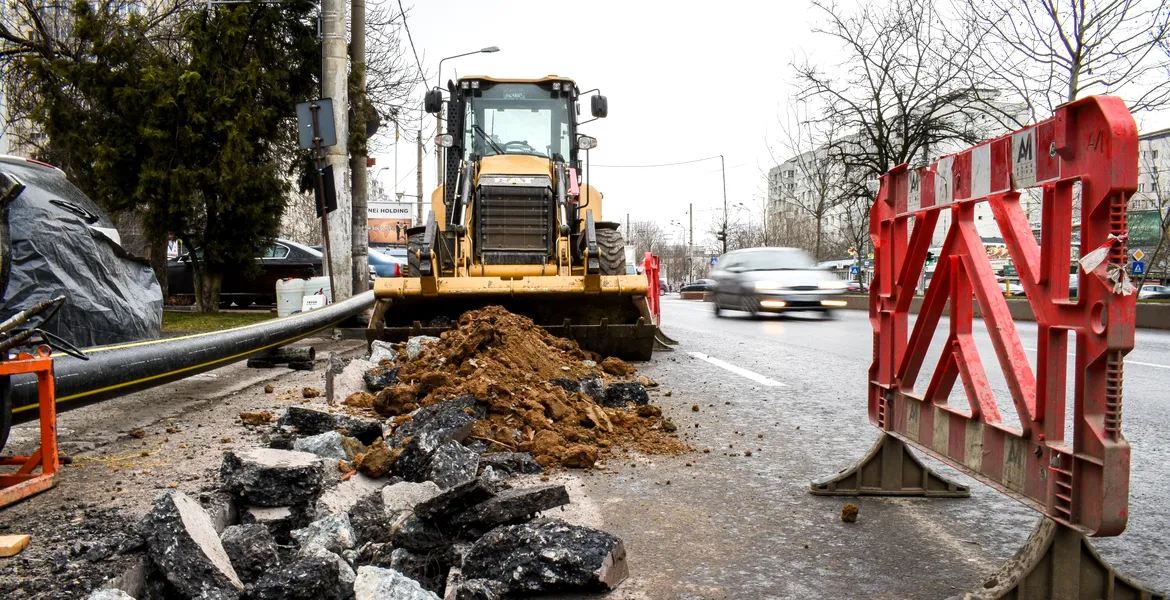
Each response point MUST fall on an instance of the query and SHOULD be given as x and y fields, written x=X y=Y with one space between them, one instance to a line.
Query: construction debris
x=308 y=421
x=548 y=555
x=510 y=463
x=267 y=477
x=333 y=533
x=330 y=444
x=184 y=545
x=306 y=578
x=513 y=506
x=374 y=583
x=251 y=549
x=849 y=513
x=453 y=464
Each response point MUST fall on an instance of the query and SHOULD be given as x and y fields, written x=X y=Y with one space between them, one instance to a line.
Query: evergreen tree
x=194 y=135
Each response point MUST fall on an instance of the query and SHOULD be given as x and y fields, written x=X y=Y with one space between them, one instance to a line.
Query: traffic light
x=930 y=258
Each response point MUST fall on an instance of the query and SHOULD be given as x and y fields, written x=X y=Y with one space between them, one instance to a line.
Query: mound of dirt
x=507 y=362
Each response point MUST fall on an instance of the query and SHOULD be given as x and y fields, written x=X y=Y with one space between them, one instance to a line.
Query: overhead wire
x=406 y=26
x=672 y=164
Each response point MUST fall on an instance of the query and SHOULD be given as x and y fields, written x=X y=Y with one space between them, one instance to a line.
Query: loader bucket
x=604 y=314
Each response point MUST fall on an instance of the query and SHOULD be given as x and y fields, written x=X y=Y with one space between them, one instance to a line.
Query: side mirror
x=433 y=101
x=599 y=106
x=586 y=142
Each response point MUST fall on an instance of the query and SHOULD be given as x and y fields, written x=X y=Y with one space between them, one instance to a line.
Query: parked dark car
x=698 y=285
x=282 y=260
x=758 y=280
x=385 y=264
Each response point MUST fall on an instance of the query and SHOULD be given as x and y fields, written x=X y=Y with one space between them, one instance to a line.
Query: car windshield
x=774 y=260
x=517 y=118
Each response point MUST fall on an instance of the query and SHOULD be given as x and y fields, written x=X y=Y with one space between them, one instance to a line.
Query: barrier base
x=888 y=469
x=1058 y=562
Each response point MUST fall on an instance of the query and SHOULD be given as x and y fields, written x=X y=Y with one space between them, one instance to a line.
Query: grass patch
x=174 y=321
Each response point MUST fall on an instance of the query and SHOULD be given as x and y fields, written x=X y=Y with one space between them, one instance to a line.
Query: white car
x=1149 y=290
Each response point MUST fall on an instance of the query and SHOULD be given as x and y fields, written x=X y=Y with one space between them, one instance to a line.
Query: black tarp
x=62 y=246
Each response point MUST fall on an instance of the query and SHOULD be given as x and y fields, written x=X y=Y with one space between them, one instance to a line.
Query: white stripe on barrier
x=981 y=171
x=943 y=178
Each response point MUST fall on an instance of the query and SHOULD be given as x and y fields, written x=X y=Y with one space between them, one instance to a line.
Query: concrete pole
x=334 y=73
x=419 y=217
x=357 y=162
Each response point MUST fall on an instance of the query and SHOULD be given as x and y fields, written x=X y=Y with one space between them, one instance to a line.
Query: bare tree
x=392 y=77
x=1157 y=199
x=814 y=180
x=645 y=236
x=904 y=86
x=1048 y=52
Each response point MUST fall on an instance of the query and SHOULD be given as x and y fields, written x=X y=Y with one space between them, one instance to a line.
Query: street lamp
x=440 y=151
x=439 y=75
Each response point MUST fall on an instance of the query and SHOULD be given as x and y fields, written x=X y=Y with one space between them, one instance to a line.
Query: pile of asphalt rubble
x=432 y=512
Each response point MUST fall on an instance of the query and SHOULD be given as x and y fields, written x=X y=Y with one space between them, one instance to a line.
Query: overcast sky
x=684 y=81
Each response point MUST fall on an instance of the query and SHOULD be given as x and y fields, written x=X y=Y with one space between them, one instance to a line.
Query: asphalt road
x=792 y=390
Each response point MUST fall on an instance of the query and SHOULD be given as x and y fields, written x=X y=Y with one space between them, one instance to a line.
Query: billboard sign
x=388 y=221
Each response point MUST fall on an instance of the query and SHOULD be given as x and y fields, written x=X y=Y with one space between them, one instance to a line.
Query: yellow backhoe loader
x=515 y=224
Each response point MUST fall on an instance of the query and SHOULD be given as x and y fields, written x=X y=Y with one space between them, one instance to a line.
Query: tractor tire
x=414 y=242
x=612 y=250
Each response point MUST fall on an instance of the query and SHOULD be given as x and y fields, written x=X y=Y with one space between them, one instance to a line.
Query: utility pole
x=359 y=173
x=723 y=169
x=691 y=243
x=334 y=76
x=418 y=218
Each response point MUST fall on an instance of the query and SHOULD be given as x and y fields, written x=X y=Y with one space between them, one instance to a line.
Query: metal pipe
x=117 y=370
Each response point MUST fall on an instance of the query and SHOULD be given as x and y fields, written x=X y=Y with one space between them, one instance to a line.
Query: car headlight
x=768 y=285
x=834 y=284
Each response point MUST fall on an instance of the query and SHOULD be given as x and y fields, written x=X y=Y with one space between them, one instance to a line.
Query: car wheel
x=715 y=304
x=750 y=307
x=828 y=314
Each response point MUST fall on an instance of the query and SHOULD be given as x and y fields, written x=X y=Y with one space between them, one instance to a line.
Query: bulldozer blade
x=607 y=315
x=627 y=342
x=664 y=339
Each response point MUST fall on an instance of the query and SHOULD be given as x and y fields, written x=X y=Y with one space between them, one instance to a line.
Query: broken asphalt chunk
x=619 y=395
x=333 y=533
x=183 y=543
x=455 y=500
x=453 y=464
x=252 y=550
x=548 y=555
x=511 y=463
x=513 y=506
x=267 y=477
x=313 y=422
x=306 y=578
x=375 y=583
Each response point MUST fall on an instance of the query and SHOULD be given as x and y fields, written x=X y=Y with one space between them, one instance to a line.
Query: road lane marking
x=1127 y=361
x=756 y=377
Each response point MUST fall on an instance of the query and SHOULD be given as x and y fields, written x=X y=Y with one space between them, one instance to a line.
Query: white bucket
x=289 y=293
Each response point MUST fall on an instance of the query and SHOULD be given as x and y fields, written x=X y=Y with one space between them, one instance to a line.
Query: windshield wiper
x=487 y=139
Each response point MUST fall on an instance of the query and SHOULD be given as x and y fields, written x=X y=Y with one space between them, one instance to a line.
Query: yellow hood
x=515 y=164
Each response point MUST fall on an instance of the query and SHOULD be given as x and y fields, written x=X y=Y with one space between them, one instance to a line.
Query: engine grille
x=514 y=225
